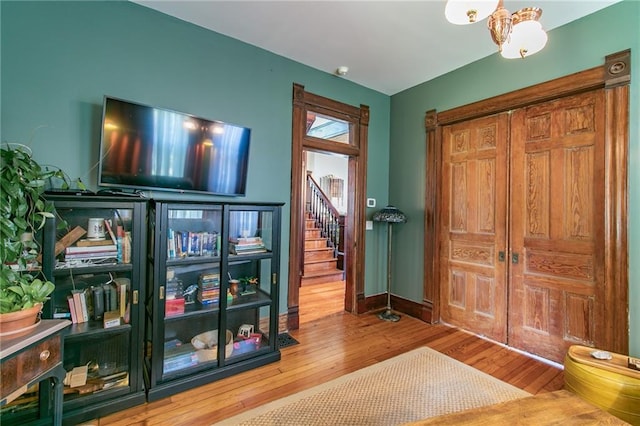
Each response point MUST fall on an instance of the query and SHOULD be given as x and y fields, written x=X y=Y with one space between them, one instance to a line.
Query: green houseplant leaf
x=23 y=213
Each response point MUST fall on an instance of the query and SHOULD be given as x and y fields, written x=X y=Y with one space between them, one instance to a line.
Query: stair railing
x=325 y=214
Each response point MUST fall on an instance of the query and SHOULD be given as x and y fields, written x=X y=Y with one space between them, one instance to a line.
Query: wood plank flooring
x=334 y=343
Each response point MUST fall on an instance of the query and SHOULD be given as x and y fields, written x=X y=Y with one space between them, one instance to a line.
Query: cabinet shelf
x=94 y=329
x=93 y=269
x=76 y=400
x=194 y=310
x=192 y=260
x=247 y=301
x=237 y=257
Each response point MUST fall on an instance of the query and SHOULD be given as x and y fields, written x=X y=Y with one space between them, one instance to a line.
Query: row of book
x=182 y=244
x=246 y=245
x=107 y=302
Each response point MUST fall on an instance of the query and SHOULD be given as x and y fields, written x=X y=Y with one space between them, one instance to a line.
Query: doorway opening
x=325 y=128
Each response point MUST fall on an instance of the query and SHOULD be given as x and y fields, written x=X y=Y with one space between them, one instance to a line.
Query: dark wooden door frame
x=356 y=151
x=614 y=77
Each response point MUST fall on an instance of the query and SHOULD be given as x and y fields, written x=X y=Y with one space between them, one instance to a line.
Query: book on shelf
x=123 y=285
x=209 y=280
x=94 y=243
x=90 y=249
x=98 y=302
x=179 y=357
x=80 y=305
x=235 y=251
x=107 y=224
x=246 y=240
x=72 y=309
x=91 y=256
x=61 y=312
x=119 y=242
x=246 y=245
x=171 y=244
x=126 y=247
x=110 y=297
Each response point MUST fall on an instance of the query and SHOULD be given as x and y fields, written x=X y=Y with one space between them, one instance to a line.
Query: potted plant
x=247 y=285
x=23 y=212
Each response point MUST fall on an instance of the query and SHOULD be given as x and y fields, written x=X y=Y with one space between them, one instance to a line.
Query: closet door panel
x=557 y=219
x=473 y=232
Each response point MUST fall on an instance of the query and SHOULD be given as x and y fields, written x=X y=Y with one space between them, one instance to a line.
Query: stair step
x=318 y=253
x=311 y=243
x=324 y=277
x=311 y=233
x=310 y=223
x=320 y=265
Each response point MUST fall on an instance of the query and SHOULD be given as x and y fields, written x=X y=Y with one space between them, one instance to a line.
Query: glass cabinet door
x=188 y=289
x=93 y=254
x=251 y=278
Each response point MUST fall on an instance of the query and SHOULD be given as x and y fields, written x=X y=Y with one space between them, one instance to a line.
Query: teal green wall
x=60 y=58
x=574 y=47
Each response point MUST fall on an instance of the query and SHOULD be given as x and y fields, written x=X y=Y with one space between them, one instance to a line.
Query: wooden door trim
x=615 y=78
x=355 y=221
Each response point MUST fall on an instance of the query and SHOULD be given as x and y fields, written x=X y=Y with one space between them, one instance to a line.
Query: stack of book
x=209 y=289
x=173 y=288
x=246 y=245
x=91 y=252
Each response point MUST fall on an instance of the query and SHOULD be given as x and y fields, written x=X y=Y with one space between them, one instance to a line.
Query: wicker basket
x=207 y=345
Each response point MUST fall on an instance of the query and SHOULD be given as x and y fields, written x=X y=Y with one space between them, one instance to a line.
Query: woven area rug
x=416 y=385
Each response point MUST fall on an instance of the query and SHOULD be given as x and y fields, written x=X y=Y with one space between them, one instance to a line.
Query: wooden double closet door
x=522 y=236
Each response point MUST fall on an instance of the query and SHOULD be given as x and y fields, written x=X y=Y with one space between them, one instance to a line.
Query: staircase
x=320 y=260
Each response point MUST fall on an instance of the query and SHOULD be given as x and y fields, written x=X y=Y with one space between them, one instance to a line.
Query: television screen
x=143 y=147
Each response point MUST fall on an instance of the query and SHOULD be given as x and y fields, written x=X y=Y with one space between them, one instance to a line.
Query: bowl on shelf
x=207 y=345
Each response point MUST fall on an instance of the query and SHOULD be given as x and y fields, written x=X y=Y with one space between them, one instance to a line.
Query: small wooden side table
x=31 y=358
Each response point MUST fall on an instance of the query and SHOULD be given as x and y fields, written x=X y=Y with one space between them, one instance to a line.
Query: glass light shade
x=462 y=12
x=527 y=36
x=390 y=214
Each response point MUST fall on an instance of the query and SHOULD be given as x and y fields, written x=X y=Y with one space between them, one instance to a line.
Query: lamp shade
x=390 y=214
x=527 y=36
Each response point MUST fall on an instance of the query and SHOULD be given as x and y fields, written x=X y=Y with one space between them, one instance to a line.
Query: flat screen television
x=144 y=147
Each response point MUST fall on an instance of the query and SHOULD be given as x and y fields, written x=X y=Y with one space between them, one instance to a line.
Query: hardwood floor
x=334 y=343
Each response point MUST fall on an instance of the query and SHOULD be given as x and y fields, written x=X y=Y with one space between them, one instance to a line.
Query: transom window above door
x=329 y=128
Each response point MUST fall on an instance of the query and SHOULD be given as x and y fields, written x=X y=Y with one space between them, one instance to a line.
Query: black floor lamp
x=390 y=215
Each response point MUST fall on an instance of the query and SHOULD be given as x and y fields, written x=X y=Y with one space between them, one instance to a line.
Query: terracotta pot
x=19 y=323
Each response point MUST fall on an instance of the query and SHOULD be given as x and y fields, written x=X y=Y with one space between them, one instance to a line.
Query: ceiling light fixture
x=517 y=35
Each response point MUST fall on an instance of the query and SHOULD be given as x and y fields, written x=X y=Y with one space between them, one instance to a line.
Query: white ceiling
x=388 y=46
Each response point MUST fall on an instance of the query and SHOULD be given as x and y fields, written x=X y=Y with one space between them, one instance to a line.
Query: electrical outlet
x=368 y=225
